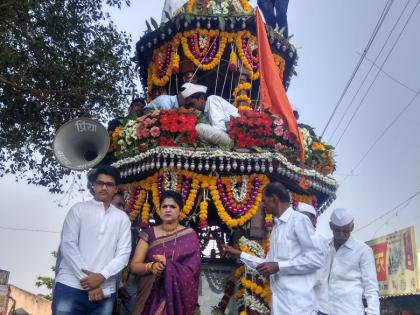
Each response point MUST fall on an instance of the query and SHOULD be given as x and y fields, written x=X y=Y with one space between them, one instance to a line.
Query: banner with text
x=396 y=262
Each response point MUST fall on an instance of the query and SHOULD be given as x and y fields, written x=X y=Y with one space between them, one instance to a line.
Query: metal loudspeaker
x=81 y=143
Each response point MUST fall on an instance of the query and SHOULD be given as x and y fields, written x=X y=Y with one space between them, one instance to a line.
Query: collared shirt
x=163 y=102
x=218 y=111
x=297 y=250
x=94 y=239
x=352 y=277
x=321 y=286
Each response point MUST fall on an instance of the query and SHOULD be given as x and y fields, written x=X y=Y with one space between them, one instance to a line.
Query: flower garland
x=212 y=59
x=190 y=6
x=114 y=139
x=145 y=215
x=331 y=184
x=249 y=61
x=239 y=98
x=245 y=5
x=251 y=247
x=281 y=64
x=255 y=305
x=233 y=61
x=127 y=136
x=189 y=204
x=256 y=289
x=223 y=214
x=259 y=181
x=239 y=196
x=137 y=205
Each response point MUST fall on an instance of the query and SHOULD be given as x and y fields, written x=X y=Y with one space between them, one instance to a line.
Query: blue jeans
x=71 y=301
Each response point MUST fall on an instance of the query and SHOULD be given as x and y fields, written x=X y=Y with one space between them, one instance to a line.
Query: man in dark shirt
x=278 y=18
x=136 y=107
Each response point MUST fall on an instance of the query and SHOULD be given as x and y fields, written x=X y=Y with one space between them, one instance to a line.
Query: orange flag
x=273 y=95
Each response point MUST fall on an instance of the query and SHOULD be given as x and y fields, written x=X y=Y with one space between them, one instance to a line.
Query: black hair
x=118 y=193
x=106 y=170
x=198 y=95
x=277 y=189
x=173 y=195
x=137 y=100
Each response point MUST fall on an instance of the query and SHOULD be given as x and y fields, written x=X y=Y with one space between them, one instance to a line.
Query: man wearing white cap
x=353 y=273
x=321 y=285
x=294 y=256
x=216 y=109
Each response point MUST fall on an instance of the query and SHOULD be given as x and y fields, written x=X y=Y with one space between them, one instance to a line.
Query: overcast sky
x=330 y=36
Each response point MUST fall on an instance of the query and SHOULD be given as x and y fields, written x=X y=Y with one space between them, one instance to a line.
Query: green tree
x=59 y=60
x=47 y=281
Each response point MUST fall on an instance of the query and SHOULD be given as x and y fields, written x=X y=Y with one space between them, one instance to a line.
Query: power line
x=381 y=135
x=390 y=76
x=388 y=212
x=371 y=39
x=393 y=216
x=9 y=228
x=377 y=74
x=370 y=70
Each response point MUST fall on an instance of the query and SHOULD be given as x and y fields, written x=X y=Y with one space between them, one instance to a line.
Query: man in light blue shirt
x=165 y=102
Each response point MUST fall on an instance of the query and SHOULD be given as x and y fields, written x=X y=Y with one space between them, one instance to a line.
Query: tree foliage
x=48 y=282
x=59 y=60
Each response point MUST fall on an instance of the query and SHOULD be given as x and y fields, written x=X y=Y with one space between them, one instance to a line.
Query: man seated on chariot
x=216 y=110
x=164 y=102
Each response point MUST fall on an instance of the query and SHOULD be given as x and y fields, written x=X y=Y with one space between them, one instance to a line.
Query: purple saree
x=175 y=292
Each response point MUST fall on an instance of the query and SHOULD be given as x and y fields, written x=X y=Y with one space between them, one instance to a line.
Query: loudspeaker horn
x=81 y=143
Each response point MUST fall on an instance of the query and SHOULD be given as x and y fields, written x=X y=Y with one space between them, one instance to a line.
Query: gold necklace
x=170 y=230
x=174 y=246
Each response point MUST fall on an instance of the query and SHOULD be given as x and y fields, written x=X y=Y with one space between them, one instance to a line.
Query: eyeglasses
x=100 y=183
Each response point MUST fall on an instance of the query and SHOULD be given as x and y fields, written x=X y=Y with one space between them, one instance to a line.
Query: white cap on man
x=304 y=207
x=188 y=89
x=341 y=217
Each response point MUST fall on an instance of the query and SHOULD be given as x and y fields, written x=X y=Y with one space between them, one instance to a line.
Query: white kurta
x=298 y=252
x=218 y=111
x=95 y=240
x=322 y=274
x=172 y=7
x=353 y=276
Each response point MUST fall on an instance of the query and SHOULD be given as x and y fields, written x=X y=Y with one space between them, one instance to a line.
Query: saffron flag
x=273 y=94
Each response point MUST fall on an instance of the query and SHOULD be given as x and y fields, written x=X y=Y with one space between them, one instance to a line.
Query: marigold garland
x=214 y=35
x=245 y=5
x=245 y=55
x=190 y=6
x=233 y=59
x=145 y=214
x=140 y=189
x=280 y=63
x=189 y=203
x=255 y=288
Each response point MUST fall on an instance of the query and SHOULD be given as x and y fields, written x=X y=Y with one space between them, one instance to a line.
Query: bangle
x=151 y=267
x=148 y=267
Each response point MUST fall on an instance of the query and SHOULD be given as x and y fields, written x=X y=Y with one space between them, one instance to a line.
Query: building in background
x=397 y=268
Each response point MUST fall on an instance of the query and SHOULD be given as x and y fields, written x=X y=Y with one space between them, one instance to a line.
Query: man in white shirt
x=321 y=285
x=293 y=259
x=172 y=7
x=165 y=102
x=215 y=108
x=353 y=272
x=95 y=246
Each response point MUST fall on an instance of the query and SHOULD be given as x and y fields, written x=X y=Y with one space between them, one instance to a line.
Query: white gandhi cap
x=341 y=217
x=304 y=207
x=188 y=89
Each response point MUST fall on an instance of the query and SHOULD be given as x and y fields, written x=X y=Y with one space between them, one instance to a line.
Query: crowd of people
x=309 y=274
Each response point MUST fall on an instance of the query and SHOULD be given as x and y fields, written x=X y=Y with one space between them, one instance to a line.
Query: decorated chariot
x=214 y=43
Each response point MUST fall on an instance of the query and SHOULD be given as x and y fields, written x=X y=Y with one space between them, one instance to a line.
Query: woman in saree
x=167 y=259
